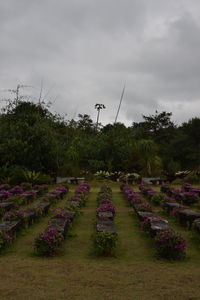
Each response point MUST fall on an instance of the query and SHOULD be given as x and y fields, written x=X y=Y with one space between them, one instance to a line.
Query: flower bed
x=105 y=238
x=50 y=242
x=15 y=219
x=169 y=244
x=157 y=227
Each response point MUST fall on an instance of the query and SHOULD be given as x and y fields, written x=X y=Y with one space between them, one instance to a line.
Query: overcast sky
x=85 y=50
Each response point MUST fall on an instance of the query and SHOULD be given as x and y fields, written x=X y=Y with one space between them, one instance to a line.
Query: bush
x=192 y=178
x=105 y=243
x=144 y=206
x=170 y=245
x=109 y=207
x=49 y=242
x=17 y=199
x=14 y=215
x=4 y=240
x=157 y=199
x=37 y=177
x=16 y=175
x=26 y=186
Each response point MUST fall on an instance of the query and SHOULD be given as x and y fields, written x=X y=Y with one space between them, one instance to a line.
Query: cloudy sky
x=83 y=51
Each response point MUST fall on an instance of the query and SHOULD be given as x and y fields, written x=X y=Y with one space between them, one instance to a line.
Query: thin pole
x=119 y=104
x=97 y=118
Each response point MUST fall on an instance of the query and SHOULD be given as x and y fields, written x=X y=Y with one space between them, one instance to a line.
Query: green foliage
x=4 y=240
x=31 y=176
x=192 y=178
x=34 y=139
x=170 y=245
x=157 y=199
x=17 y=200
x=105 y=243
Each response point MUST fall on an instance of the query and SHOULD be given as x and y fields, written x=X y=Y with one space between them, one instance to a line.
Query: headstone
x=187 y=217
x=108 y=215
x=106 y=226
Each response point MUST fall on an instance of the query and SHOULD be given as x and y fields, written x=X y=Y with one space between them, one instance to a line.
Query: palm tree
x=98 y=107
x=149 y=160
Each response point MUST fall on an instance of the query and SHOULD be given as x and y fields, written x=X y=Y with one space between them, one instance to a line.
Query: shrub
x=144 y=206
x=5 y=186
x=192 y=178
x=144 y=225
x=14 y=215
x=4 y=240
x=157 y=199
x=16 y=190
x=60 y=213
x=17 y=199
x=49 y=242
x=5 y=194
x=41 y=188
x=176 y=210
x=109 y=207
x=190 y=198
x=105 y=243
x=170 y=244
x=26 y=186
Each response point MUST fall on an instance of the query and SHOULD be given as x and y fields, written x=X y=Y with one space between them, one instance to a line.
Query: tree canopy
x=35 y=139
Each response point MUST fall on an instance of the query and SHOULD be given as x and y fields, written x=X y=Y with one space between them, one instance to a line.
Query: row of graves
x=106 y=235
x=51 y=241
x=23 y=194
x=15 y=219
x=168 y=243
x=179 y=203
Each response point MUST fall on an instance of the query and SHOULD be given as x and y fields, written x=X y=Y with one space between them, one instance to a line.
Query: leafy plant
x=157 y=199
x=49 y=242
x=14 y=215
x=170 y=245
x=4 y=240
x=144 y=206
x=105 y=243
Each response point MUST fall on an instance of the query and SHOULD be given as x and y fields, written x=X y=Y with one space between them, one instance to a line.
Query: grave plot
x=24 y=194
x=173 y=204
x=15 y=220
x=168 y=243
x=186 y=195
x=105 y=238
x=50 y=242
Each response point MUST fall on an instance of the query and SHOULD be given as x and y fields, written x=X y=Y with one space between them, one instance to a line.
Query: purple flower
x=17 y=190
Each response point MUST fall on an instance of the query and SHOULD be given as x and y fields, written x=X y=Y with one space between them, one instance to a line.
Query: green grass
x=134 y=274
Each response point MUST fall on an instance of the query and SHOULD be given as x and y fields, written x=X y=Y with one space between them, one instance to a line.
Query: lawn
x=134 y=274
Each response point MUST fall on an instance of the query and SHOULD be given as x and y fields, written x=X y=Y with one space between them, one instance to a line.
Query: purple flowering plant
x=5 y=194
x=62 y=189
x=14 y=215
x=144 y=224
x=190 y=197
x=49 y=243
x=16 y=190
x=169 y=244
x=59 y=213
x=176 y=210
x=107 y=207
x=4 y=186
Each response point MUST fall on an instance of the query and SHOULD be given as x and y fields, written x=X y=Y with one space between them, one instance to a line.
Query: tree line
x=33 y=138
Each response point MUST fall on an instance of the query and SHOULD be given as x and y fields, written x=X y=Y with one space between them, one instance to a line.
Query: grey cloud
x=86 y=49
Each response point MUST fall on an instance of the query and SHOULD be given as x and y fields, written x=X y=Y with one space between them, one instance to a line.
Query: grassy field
x=77 y=275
